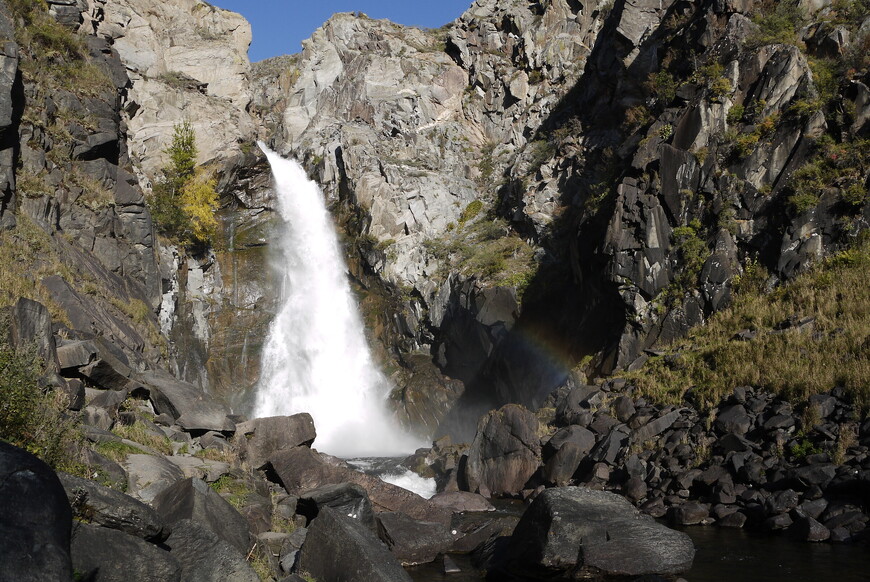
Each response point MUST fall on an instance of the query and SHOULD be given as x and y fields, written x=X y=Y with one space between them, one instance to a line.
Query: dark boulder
x=206 y=557
x=582 y=437
x=31 y=326
x=266 y=436
x=505 y=453
x=580 y=532
x=339 y=548
x=560 y=468
x=112 y=509
x=807 y=529
x=733 y=420
x=193 y=499
x=574 y=407
x=411 y=541
x=107 y=555
x=35 y=520
x=348 y=499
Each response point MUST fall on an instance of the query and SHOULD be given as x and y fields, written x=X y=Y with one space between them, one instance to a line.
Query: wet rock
x=340 y=548
x=807 y=529
x=193 y=499
x=35 y=529
x=112 y=509
x=735 y=520
x=691 y=513
x=412 y=541
x=267 y=436
x=577 y=530
x=505 y=452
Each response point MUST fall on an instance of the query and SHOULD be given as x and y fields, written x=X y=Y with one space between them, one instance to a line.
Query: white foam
x=422 y=486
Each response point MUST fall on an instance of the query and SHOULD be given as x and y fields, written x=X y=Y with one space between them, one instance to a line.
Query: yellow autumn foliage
x=199 y=202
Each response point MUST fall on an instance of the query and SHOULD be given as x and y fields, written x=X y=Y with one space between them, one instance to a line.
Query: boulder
x=266 y=436
x=31 y=326
x=108 y=555
x=341 y=548
x=206 y=557
x=112 y=509
x=148 y=475
x=582 y=437
x=462 y=501
x=505 y=453
x=347 y=498
x=191 y=408
x=581 y=532
x=35 y=519
x=193 y=499
x=412 y=541
x=560 y=468
x=301 y=469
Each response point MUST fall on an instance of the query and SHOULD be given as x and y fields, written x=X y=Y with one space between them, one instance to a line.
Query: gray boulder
x=113 y=509
x=35 y=520
x=412 y=541
x=148 y=475
x=505 y=452
x=191 y=408
x=206 y=557
x=462 y=501
x=193 y=499
x=267 y=436
x=580 y=532
x=108 y=555
x=340 y=548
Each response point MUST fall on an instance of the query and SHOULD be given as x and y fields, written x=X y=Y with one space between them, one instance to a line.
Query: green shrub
x=663 y=86
x=778 y=23
x=735 y=114
x=29 y=418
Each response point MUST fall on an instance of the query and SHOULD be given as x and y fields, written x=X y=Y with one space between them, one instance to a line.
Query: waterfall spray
x=316 y=359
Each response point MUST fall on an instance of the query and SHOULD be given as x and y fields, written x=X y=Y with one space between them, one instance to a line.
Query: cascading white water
x=316 y=359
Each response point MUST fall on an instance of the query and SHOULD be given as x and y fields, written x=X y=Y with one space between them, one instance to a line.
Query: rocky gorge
x=612 y=256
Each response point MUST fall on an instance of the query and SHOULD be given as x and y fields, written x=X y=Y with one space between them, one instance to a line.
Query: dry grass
x=27 y=256
x=139 y=433
x=833 y=350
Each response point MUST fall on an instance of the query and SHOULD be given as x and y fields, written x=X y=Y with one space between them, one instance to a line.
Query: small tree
x=184 y=198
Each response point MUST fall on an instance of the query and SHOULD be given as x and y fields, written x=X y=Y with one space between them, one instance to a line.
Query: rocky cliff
x=546 y=184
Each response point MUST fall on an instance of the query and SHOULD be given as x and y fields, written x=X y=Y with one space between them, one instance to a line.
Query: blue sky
x=281 y=26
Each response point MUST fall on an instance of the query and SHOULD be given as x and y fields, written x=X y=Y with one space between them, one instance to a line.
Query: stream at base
x=722 y=555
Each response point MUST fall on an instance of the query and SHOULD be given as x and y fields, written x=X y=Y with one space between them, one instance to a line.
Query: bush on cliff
x=184 y=199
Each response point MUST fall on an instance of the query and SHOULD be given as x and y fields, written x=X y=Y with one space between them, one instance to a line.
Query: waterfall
x=316 y=359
